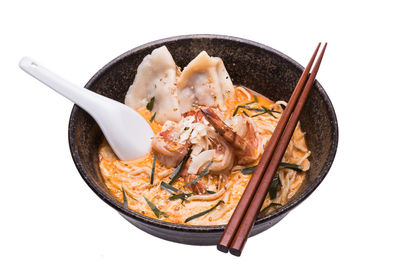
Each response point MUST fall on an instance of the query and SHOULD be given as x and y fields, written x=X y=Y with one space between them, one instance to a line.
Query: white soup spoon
x=128 y=133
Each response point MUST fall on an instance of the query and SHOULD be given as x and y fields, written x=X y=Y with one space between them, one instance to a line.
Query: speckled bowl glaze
x=251 y=64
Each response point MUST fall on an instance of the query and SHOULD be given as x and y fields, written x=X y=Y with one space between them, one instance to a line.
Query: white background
x=50 y=217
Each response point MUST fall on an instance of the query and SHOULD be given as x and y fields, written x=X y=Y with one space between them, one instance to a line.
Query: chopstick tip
x=222 y=248
x=235 y=252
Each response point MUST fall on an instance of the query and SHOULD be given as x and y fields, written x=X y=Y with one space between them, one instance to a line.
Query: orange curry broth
x=114 y=176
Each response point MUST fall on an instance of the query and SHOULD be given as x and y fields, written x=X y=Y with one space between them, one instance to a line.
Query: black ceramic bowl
x=251 y=64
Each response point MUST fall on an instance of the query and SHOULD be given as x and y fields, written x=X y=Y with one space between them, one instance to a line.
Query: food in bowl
x=209 y=136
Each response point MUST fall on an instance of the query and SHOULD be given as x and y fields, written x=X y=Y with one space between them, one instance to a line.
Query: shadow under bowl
x=251 y=64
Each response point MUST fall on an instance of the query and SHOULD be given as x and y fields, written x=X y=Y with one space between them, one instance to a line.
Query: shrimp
x=245 y=145
x=224 y=158
x=198 y=187
x=168 y=151
x=198 y=115
x=222 y=163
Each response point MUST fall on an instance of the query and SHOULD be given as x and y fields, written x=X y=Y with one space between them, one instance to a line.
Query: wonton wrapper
x=156 y=77
x=204 y=81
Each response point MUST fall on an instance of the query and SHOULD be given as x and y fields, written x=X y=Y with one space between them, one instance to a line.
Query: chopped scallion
x=248 y=108
x=169 y=188
x=153 y=169
x=180 y=196
x=156 y=211
x=264 y=110
x=258 y=114
x=253 y=109
x=236 y=110
x=152 y=117
x=294 y=167
x=204 y=212
x=124 y=197
x=254 y=101
x=270 y=111
x=202 y=174
x=273 y=187
x=178 y=169
x=248 y=170
x=269 y=206
x=150 y=105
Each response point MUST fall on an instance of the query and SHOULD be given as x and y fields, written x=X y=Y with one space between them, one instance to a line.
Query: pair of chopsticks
x=237 y=231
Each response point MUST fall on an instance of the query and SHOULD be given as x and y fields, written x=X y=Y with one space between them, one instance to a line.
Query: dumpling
x=156 y=77
x=204 y=81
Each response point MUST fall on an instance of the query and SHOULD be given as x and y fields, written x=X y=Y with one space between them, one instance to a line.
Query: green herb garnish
x=273 y=187
x=253 y=109
x=264 y=110
x=248 y=108
x=204 y=212
x=270 y=111
x=258 y=114
x=156 y=211
x=245 y=113
x=210 y=192
x=172 y=190
x=181 y=196
x=236 y=110
x=294 y=167
x=178 y=169
x=248 y=170
x=124 y=197
x=254 y=101
x=202 y=174
x=152 y=117
x=169 y=188
x=150 y=105
x=269 y=206
x=153 y=169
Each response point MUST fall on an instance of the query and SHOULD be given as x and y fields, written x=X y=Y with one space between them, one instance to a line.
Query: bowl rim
x=192 y=228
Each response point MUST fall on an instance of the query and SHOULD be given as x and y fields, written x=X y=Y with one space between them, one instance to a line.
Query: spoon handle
x=86 y=99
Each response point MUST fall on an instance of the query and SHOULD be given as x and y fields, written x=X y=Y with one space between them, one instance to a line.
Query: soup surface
x=204 y=152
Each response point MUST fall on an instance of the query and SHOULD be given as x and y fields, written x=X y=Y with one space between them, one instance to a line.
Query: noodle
x=134 y=176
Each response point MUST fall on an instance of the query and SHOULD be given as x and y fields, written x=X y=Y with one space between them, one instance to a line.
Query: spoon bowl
x=128 y=133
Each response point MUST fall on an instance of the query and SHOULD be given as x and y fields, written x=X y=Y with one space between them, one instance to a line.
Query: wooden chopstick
x=229 y=233
x=250 y=216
